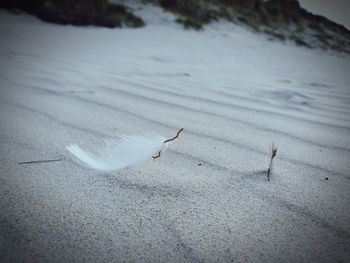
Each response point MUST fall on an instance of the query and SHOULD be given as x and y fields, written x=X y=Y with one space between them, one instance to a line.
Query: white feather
x=120 y=153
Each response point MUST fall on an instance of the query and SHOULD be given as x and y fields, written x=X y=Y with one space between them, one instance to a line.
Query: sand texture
x=207 y=199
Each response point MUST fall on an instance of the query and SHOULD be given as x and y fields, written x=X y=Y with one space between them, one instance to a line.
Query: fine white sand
x=207 y=198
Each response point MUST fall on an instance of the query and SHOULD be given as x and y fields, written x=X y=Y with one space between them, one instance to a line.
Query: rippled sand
x=207 y=198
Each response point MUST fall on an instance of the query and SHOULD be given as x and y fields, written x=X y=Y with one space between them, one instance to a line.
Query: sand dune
x=207 y=198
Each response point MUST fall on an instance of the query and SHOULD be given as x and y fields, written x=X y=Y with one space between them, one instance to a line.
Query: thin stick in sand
x=168 y=140
x=41 y=161
x=273 y=154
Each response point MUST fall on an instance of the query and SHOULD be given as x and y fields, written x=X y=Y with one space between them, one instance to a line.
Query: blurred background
x=280 y=19
x=336 y=10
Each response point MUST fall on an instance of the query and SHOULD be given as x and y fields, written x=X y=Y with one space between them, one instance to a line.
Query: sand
x=207 y=199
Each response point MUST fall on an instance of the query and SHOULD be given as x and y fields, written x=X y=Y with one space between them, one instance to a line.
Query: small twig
x=273 y=154
x=169 y=140
x=41 y=161
x=157 y=156
x=177 y=135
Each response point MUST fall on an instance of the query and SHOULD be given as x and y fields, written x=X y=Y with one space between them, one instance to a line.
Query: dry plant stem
x=157 y=156
x=273 y=154
x=177 y=135
x=41 y=161
x=169 y=140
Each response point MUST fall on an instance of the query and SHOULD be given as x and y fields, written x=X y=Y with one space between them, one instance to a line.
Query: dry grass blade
x=273 y=155
x=41 y=161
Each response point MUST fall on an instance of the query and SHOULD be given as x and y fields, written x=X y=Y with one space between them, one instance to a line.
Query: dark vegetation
x=283 y=20
x=255 y=13
x=279 y=19
x=77 y=12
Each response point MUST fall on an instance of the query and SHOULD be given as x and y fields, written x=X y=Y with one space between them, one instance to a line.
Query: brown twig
x=169 y=140
x=157 y=156
x=41 y=161
x=273 y=154
x=177 y=135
